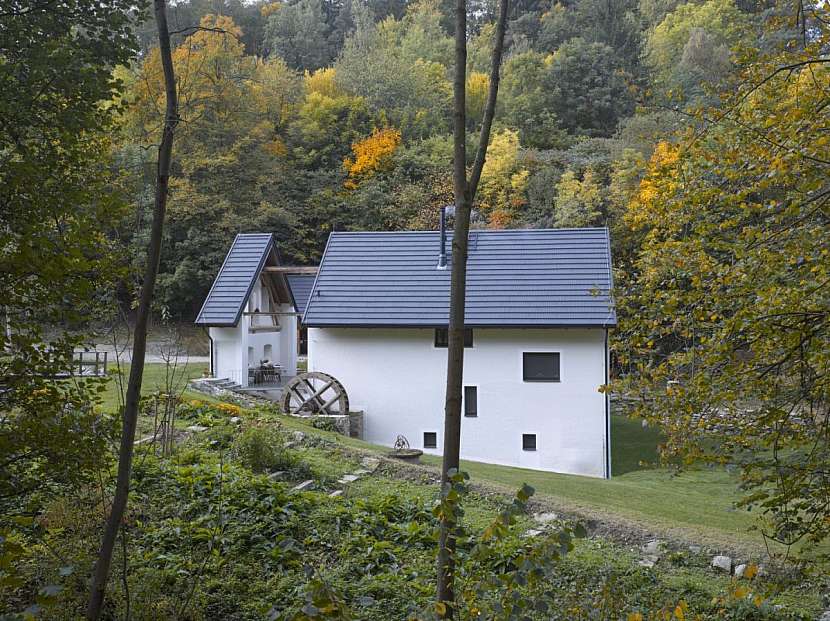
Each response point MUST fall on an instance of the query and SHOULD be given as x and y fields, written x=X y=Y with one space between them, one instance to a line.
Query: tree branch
x=492 y=95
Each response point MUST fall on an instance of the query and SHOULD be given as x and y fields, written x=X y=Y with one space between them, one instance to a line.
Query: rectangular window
x=442 y=337
x=540 y=367
x=430 y=439
x=470 y=401
x=528 y=441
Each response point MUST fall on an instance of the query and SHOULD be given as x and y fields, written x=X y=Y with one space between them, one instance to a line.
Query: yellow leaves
x=441 y=609
x=269 y=9
x=503 y=181
x=229 y=408
x=276 y=147
x=371 y=155
x=634 y=616
x=751 y=571
x=656 y=188
x=478 y=85
x=322 y=81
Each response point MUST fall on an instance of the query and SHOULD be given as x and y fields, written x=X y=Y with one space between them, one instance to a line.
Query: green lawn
x=695 y=505
x=155 y=378
x=696 y=502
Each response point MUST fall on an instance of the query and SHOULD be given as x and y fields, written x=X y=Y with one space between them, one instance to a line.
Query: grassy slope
x=697 y=504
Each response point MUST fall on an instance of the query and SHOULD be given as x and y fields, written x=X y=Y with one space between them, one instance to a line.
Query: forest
x=697 y=131
x=316 y=116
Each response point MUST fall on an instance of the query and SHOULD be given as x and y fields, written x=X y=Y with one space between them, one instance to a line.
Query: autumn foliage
x=371 y=155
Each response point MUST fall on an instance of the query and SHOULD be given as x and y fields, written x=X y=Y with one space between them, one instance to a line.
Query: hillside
x=263 y=513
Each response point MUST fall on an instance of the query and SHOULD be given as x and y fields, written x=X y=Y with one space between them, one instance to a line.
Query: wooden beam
x=291 y=269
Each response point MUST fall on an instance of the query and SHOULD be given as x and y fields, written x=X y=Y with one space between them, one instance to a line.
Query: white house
x=251 y=314
x=538 y=312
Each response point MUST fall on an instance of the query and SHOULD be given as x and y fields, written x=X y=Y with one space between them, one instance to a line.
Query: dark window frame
x=529 y=442
x=442 y=338
x=554 y=378
x=434 y=443
x=474 y=412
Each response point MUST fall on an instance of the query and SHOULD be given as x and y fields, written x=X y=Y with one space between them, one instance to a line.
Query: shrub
x=262 y=449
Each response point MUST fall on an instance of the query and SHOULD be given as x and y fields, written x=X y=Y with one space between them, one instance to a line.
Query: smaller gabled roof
x=301 y=285
x=229 y=293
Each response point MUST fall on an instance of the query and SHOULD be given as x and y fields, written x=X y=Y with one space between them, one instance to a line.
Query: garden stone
x=276 y=475
x=361 y=472
x=740 y=570
x=303 y=486
x=653 y=547
x=649 y=561
x=695 y=549
x=533 y=532
x=545 y=518
x=336 y=493
x=196 y=428
x=825 y=616
x=235 y=420
x=370 y=463
x=348 y=478
x=724 y=563
x=298 y=436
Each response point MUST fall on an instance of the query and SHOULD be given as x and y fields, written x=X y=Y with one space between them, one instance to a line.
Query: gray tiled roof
x=522 y=278
x=223 y=305
x=301 y=285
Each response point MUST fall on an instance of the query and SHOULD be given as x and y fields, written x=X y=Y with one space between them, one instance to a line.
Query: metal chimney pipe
x=442 y=254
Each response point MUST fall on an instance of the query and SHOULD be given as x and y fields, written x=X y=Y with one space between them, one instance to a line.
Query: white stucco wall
x=230 y=357
x=397 y=377
x=236 y=349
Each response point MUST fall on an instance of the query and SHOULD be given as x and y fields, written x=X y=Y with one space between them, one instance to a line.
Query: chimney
x=442 y=254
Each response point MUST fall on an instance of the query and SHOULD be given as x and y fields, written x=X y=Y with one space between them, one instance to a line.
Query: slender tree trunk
x=130 y=415
x=464 y=192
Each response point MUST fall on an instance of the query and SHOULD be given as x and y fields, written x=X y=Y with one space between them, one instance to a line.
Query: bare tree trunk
x=130 y=415
x=465 y=192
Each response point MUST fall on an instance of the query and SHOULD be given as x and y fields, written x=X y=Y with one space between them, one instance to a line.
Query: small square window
x=442 y=337
x=470 y=401
x=540 y=367
x=528 y=441
x=430 y=439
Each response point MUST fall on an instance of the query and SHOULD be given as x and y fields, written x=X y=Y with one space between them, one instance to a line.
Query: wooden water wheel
x=314 y=393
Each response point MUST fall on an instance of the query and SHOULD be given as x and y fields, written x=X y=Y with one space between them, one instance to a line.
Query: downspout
x=607 y=415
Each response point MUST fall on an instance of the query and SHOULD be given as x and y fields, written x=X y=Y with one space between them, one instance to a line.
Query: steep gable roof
x=229 y=293
x=515 y=278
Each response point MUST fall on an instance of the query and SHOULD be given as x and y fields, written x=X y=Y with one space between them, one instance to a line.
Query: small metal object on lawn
x=404 y=452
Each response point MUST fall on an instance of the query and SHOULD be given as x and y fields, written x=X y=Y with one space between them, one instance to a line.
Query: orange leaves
x=371 y=155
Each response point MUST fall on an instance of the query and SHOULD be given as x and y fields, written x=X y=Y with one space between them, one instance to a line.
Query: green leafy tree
x=298 y=34
x=399 y=68
x=578 y=201
x=58 y=264
x=56 y=208
x=525 y=103
x=588 y=89
x=691 y=37
x=725 y=316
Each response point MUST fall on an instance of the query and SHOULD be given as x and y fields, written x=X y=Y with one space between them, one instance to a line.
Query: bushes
x=262 y=449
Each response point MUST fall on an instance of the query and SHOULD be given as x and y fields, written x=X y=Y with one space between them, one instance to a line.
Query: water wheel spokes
x=315 y=393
